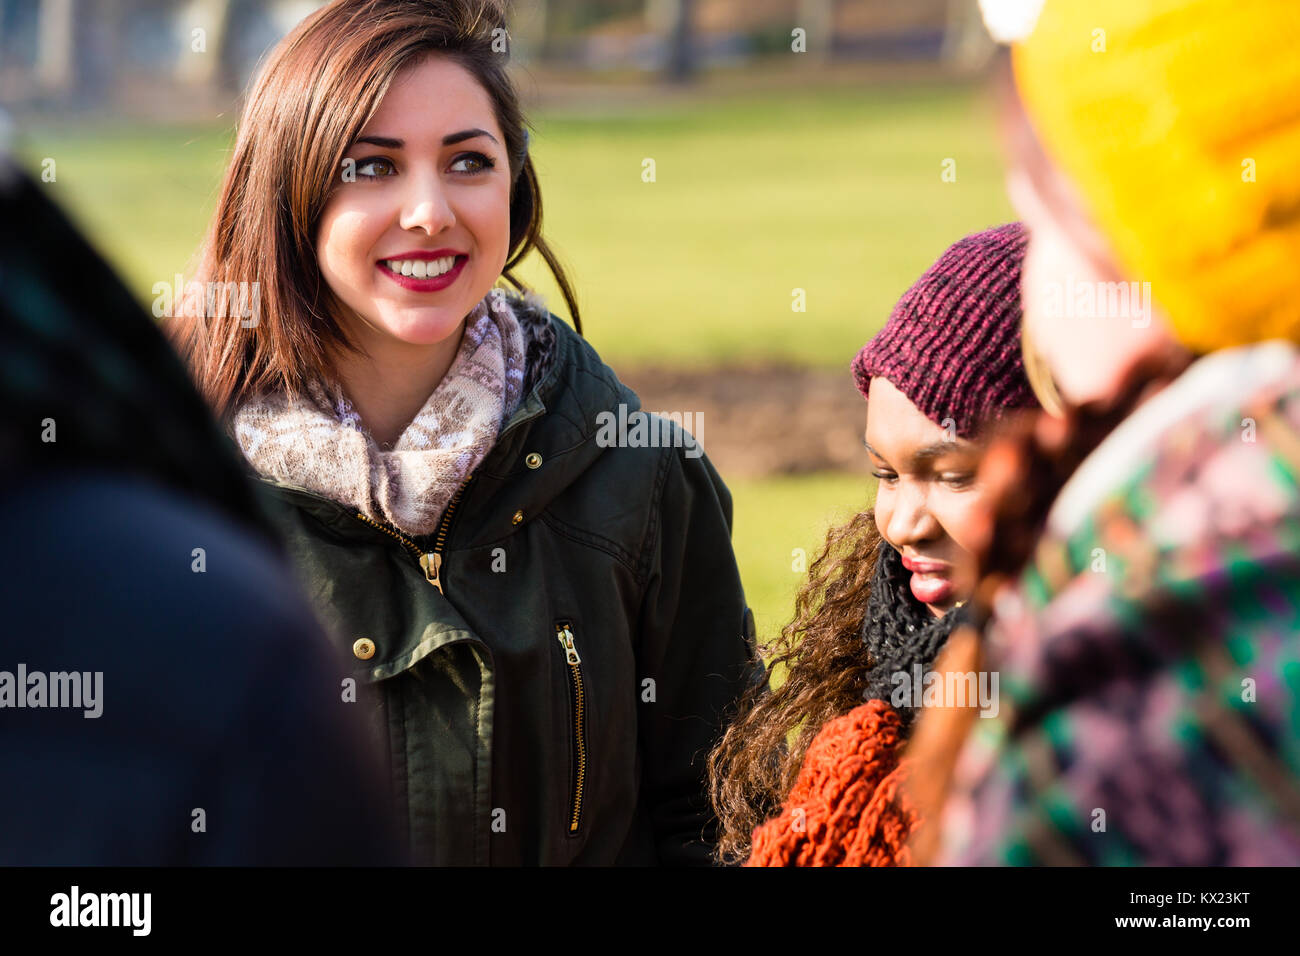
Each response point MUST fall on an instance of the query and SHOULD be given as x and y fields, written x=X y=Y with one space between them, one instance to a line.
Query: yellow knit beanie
x=1179 y=123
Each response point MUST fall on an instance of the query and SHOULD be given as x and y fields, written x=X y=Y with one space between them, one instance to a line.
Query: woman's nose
x=910 y=520
x=426 y=205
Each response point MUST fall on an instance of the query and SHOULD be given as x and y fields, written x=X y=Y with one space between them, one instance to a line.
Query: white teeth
x=421 y=268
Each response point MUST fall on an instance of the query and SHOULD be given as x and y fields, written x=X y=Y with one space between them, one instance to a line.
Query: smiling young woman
x=544 y=631
x=322 y=136
x=416 y=181
x=927 y=505
x=808 y=773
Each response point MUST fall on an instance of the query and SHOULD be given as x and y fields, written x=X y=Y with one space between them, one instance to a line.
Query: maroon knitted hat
x=952 y=343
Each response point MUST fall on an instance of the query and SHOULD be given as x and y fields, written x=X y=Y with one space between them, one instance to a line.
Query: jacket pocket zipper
x=430 y=562
x=564 y=632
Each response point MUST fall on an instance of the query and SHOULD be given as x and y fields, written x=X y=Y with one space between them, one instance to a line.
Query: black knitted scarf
x=899 y=630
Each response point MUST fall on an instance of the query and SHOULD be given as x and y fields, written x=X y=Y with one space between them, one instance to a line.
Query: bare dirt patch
x=767 y=420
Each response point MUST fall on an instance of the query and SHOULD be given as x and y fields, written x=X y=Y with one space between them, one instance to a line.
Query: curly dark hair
x=755 y=764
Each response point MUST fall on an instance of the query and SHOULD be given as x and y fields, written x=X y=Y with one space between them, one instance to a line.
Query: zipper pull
x=566 y=639
x=431 y=565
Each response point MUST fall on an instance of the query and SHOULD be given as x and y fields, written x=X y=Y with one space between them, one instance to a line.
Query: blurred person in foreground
x=1142 y=567
x=166 y=696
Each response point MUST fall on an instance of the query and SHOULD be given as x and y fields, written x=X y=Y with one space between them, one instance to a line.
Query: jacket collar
x=557 y=420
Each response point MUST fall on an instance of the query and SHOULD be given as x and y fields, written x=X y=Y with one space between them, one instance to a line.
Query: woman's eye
x=957 y=479
x=476 y=163
x=884 y=475
x=375 y=168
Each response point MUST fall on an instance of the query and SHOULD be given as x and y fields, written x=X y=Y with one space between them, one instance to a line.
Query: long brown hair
x=756 y=762
x=316 y=92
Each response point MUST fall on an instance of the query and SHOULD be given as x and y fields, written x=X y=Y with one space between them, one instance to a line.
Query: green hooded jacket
x=549 y=670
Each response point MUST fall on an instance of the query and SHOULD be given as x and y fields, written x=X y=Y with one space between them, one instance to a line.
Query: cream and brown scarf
x=322 y=445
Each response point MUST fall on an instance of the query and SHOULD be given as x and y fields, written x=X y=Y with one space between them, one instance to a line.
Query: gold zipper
x=430 y=562
x=564 y=631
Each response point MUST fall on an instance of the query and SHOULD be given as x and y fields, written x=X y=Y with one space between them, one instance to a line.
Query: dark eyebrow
x=928 y=453
x=383 y=142
x=454 y=138
x=388 y=142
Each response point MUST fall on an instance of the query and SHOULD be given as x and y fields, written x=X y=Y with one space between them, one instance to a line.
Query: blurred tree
x=241 y=17
x=966 y=43
x=203 y=67
x=817 y=18
x=56 y=40
x=674 y=20
x=528 y=32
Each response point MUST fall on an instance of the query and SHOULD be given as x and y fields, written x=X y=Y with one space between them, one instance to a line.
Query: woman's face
x=416 y=230
x=928 y=502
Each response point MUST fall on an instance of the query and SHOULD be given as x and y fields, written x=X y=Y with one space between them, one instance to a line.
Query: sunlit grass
x=837 y=193
x=774 y=519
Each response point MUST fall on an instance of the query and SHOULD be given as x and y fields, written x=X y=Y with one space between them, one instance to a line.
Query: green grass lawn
x=839 y=195
x=142 y=194
x=772 y=517
x=835 y=192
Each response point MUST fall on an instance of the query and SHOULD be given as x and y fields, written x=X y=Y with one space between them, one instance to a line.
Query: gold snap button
x=517 y=517
x=533 y=460
x=364 y=648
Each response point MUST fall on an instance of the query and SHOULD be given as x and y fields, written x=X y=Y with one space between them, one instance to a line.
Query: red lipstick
x=431 y=283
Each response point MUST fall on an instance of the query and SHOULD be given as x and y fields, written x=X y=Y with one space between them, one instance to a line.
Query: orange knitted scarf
x=847 y=806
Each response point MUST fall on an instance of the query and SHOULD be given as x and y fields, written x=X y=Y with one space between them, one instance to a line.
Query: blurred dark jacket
x=136 y=549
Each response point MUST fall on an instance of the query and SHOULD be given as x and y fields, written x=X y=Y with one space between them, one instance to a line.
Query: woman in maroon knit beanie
x=808 y=774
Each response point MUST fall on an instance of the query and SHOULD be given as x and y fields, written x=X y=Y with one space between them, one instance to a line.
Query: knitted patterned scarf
x=322 y=445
